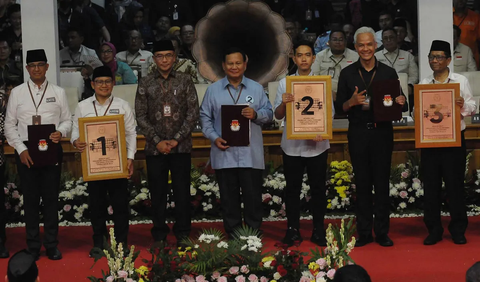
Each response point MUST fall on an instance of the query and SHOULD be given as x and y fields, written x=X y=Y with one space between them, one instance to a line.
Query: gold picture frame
x=106 y=154
x=311 y=112
x=437 y=117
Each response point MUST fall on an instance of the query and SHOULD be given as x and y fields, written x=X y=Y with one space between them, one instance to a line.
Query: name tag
x=401 y=59
x=458 y=57
x=349 y=62
x=142 y=60
x=114 y=111
x=51 y=100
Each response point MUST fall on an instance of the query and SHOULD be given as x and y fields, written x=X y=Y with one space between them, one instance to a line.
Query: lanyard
x=105 y=110
x=165 y=91
x=131 y=62
x=238 y=97
x=398 y=53
x=336 y=63
x=361 y=75
x=433 y=81
x=41 y=99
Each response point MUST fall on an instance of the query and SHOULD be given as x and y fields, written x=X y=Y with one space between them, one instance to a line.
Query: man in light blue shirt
x=299 y=155
x=241 y=166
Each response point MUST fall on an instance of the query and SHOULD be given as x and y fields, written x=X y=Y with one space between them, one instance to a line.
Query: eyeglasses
x=106 y=51
x=107 y=82
x=335 y=39
x=438 y=58
x=389 y=38
x=39 y=65
x=160 y=57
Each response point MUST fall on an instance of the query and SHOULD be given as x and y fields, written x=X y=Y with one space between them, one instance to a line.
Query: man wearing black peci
x=370 y=143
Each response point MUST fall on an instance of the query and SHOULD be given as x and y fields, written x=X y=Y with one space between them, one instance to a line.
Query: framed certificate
x=106 y=154
x=311 y=112
x=437 y=118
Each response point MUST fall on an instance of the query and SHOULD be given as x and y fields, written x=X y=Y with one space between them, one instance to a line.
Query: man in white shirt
x=104 y=103
x=77 y=54
x=38 y=102
x=331 y=61
x=301 y=154
x=463 y=59
x=134 y=55
x=385 y=20
x=447 y=164
x=402 y=61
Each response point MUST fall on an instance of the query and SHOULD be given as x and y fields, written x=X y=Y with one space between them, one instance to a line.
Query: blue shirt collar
x=225 y=82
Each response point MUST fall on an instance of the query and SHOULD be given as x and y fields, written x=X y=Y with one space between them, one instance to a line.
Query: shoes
x=432 y=239
x=363 y=240
x=96 y=252
x=54 y=254
x=3 y=251
x=319 y=238
x=292 y=237
x=384 y=241
x=459 y=239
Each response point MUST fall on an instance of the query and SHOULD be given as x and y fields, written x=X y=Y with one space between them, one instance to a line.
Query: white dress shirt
x=53 y=110
x=325 y=61
x=298 y=148
x=402 y=61
x=469 y=106
x=142 y=58
x=463 y=59
x=84 y=56
x=118 y=107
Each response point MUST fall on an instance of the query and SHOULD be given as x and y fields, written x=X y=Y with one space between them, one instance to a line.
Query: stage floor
x=407 y=261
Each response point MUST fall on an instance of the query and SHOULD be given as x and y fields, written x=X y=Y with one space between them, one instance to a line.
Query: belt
x=372 y=125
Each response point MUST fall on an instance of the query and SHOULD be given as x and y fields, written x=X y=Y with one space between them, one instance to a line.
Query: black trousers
x=117 y=190
x=44 y=183
x=157 y=169
x=371 y=154
x=230 y=181
x=294 y=168
x=3 y=212
x=447 y=164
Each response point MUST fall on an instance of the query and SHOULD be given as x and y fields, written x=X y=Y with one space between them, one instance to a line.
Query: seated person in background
x=8 y=67
x=123 y=73
x=174 y=32
x=22 y=268
x=331 y=61
x=13 y=33
x=76 y=54
x=162 y=28
x=352 y=273
x=385 y=20
x=403 y=42
x=135 y=56
x=473 y=273
x=335 y=23
x=133 y=19
x=463 y=59
x=402 y=61
x=349 y=30
x=187 y=34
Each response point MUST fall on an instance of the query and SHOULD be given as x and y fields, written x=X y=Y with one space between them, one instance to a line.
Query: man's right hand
x=25 y=158
x=164 y=147
x=357 y=98
x=80 y=145
x=221 y=144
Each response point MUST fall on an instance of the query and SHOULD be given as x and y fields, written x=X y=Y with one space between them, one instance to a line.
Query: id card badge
x=167 y=110
x=366 y=107
x=331 y=72
x=317 y=14
x=36 y=120
x=175 y=13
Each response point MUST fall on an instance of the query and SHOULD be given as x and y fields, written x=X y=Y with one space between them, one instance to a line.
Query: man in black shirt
x=370 y=143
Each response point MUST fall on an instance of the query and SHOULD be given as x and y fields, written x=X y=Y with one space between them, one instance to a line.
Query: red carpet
x=408 y=261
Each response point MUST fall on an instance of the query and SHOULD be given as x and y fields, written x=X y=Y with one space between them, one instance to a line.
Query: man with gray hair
x=370 y=143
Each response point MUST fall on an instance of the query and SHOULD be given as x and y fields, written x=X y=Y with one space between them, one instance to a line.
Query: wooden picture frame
x=106 y=154
x=311 y=112
x=437 y=117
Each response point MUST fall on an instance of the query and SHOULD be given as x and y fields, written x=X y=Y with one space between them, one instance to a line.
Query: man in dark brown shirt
x=166 y=106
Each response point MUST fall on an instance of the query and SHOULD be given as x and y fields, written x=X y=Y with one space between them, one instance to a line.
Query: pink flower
x=11 y=185
x=187 y=278
x=122 y=274
x=234 y=270
x=403 y=194
x=109 y=279
x=130 y=280
x=321 y=274
x=16 y=195
x=304 y=279
x=253 y=278
x=244 y=269
x=200 y=278
x=110 y=210
x=263 y=279
x=322 y=263
x=307 y=198
x=5 y=190
x=405 y=174
x=416 y=180
x=67 y=208
x=222 y=279
x=215 y=275
x=172 y=205
x=331 y=273
x=240 y=278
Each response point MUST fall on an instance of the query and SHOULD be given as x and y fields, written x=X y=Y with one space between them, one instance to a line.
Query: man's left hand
x=249 y=113
x=172 y=143
x=56 y=136
x=130 y=168
x=400 y=100
x=459 y=101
